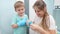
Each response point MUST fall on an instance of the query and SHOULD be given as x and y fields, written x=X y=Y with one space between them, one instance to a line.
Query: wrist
x=42 y=31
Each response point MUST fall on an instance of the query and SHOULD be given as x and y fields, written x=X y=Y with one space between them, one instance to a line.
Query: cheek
x=41 y=13
x=22 y=11
x=38 y=14
x=18 y=12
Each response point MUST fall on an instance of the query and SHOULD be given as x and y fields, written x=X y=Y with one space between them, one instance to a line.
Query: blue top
x=21 y=22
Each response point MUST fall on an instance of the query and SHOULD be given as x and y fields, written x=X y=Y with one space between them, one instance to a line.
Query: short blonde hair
x=18 y=4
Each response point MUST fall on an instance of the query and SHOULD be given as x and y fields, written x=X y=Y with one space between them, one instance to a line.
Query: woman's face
x=39 y=13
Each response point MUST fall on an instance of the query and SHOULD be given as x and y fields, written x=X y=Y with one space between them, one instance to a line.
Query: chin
x=40 y=16
x=21 y=14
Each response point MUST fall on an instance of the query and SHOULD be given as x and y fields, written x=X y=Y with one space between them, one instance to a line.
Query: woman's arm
x=41 y=30
x=52 y=31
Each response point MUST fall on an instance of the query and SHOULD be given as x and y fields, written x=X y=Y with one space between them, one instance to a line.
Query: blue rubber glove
x=22 y=22
x=30 y=23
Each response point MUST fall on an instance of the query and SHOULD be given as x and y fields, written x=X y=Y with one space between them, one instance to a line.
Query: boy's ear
x=15 y=10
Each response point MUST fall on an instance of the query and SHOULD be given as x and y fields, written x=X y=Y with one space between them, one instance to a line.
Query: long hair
x=45 y=21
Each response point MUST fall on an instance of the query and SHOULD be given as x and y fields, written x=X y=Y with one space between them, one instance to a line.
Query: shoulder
x=25 y=15
x=52 y=23
x=51 y=18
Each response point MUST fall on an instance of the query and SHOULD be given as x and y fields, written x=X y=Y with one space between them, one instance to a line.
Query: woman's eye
x=38 y=11
x=35 y=10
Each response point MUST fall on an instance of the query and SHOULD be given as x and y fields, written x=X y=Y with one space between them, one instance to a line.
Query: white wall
x=6 y=13
x=31 y=10
x=56 y=2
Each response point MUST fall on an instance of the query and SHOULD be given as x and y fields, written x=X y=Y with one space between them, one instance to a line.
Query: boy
x=19 y=20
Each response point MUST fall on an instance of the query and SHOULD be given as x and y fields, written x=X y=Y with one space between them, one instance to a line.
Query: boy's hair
x=18 y=4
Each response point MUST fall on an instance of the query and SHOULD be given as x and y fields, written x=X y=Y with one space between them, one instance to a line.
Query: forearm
x=14 y=26
x=42 y=31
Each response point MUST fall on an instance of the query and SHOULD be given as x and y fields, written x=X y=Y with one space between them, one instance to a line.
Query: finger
x=31 y=26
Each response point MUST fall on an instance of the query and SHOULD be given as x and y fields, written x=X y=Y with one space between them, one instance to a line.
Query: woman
x=43 y=23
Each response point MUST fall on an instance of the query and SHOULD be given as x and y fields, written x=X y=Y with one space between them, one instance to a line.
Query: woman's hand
x=14 y=26
x=35 y=27
x=41 y=30
x=38 y=29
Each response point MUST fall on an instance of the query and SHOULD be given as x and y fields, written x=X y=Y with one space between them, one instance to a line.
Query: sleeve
x=13 y=20
x=22 y=23
x=52 y=23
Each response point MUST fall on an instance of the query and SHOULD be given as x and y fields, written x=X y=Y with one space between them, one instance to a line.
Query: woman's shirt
x=38 y=20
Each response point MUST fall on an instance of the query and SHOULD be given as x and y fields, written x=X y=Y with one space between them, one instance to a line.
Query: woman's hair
x=41 y=5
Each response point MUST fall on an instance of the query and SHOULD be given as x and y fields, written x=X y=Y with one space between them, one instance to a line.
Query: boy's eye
x=21 y=9
x=18 y=10
x=37 y=11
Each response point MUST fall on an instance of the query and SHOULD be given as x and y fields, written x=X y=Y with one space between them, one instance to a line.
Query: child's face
x=20 y=11
x=39 y=13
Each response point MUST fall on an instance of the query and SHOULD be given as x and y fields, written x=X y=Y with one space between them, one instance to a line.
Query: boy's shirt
x=21 y=22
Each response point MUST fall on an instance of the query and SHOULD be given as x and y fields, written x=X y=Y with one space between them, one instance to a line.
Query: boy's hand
x=14 y=26
x=29 y=22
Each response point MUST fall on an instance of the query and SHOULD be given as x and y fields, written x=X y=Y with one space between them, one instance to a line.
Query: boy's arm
x=14 y=25
x=23 y=22
x=28 y=22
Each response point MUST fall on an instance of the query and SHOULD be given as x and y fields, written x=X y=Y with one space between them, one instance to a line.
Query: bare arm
x=41 y=30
